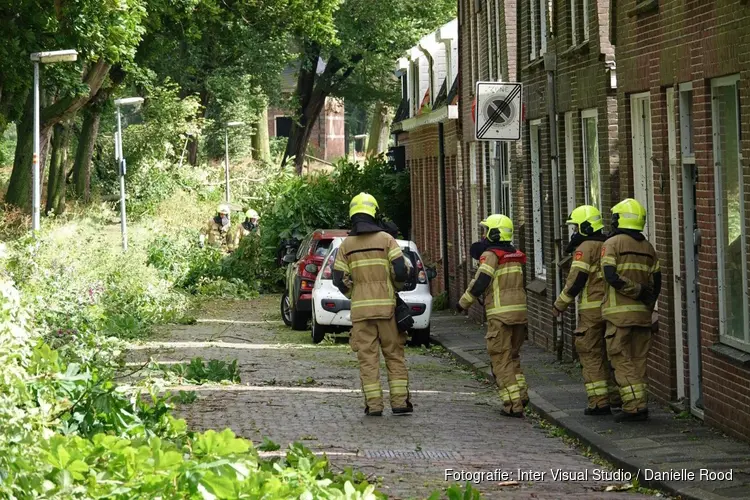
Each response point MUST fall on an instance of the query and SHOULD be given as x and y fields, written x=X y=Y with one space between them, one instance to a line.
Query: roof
x=289 y=75
x=319 y=234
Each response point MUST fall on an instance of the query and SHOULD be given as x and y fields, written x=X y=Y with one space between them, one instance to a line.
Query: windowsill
x=539 y=61
x=733 y=354
x=582 y=47
x=644 y=7
x=538 y=286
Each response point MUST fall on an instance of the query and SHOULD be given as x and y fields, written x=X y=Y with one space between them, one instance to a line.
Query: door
x=643 y=171
x=691 y=248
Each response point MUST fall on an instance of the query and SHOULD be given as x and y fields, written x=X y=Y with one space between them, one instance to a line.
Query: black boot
x=409 y=408
x=525 y=402
x=514 y=414
x=369 y=413
x=596 y=411
x=638 y=416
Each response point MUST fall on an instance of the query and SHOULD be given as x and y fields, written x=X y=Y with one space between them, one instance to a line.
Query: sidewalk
x=659 y=444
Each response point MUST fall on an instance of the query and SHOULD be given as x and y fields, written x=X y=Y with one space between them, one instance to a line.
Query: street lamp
x=44 y=58
x=226 y=156
x=128 y=101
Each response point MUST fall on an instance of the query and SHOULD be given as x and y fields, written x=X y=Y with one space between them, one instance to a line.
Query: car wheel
x=286 y=309
x=420 y=336
x=299 y=319
x=318 y=331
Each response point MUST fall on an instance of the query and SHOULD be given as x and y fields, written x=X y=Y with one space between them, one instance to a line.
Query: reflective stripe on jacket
x=367 y=263
x=635 y=262
x=219 y=236
x=505 y=295
x=586 y=259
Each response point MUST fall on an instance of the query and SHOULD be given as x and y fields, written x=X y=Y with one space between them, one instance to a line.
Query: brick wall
x=327 y=140
x=685 y=42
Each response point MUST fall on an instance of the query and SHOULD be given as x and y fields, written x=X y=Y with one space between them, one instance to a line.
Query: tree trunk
x=57 y=167
x=260 y=143
x=301 y=132
x=20 y=184
x=377 y=141
x=84 y=153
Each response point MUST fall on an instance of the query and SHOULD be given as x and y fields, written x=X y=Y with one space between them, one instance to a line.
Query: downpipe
x=443 y=205
x=550 y=65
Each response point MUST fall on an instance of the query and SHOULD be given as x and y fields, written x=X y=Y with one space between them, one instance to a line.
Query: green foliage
x=440 y=303
x=457 y=492
x=185 y=397
x=7 y=146
x=198 y=372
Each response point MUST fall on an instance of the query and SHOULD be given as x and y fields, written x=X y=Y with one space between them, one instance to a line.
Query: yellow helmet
x=628 y=214
x=251 y=214
x=224 y=209
x=499 y=227
x=588 y=218
x=363 y=203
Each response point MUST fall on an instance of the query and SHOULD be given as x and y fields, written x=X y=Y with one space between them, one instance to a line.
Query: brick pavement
x=665 y=442
x=292 y=390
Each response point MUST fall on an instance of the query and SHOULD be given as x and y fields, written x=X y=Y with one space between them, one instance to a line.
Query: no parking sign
x=498 y=111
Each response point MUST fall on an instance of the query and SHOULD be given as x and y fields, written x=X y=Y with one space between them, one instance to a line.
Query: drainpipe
x=550 y=65
x=443 y=204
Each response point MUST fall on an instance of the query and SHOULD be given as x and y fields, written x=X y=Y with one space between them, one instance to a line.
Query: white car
x=330 y=311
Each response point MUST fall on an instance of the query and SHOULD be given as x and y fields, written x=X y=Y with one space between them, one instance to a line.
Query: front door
x=643 y=171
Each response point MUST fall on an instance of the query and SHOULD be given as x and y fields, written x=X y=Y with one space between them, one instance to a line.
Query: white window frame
x=573 y=22
x=473 y=191
x=487 y=191
x=532 y=29
x=488 y=8
x=570 y=165
x=540 y=270
x=586 y=20
x=588 y=114
x=637 y=127
x=498 y=38
x=543 y=13
x=473 y=56
x=725 y=338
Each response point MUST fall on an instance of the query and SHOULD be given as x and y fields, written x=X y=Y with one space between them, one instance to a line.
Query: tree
x=378 y=137
x=57 y=168
x=370 y=37
x=104 y=33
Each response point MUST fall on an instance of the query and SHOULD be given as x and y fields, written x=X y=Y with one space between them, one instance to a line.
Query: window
x=473 y=56
x=487 y=179
x=540 y=270
x=416 y=99
x=473 y=198
x=579 y=21
x=532 y=28
x=321 y=249
x=731 y=225
x=538 y=21
x=591 y=168
x=283 y=126
x=570 y=166
x=498 y=44
x=501 y=200
x=490 y=52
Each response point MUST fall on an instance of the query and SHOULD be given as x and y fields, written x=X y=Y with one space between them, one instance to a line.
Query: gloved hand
x=647 y=296
x=202 y=240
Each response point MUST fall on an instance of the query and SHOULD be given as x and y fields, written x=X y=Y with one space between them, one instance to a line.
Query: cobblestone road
x=292 y=390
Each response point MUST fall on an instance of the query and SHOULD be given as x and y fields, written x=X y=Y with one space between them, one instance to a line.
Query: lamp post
x=44 y=58
x=128 y=101
x=226 y=156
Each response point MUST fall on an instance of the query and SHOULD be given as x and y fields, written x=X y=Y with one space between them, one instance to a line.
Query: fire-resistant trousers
x=627 y=348
x=368 y=338
x=504 y=345
x=598 y=379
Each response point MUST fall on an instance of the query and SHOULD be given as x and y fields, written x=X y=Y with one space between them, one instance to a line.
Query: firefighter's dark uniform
x=585 y=278
x=500 y=279
x=633 y=282
x=369 y=268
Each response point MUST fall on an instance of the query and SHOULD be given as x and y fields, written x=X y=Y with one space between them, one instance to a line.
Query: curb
x=600 y=445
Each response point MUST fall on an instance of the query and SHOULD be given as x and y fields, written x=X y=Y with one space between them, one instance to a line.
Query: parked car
x=331 y=309
x=302 y=268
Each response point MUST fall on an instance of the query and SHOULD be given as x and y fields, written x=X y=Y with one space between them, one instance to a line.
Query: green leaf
x=222 y=487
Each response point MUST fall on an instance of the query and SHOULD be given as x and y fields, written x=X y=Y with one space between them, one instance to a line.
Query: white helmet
x=251 y=214
x=224 y=209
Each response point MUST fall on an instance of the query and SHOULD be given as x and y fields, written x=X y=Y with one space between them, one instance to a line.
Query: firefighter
x=369 y=267
x=633 y=283
x=249 y=226
x=218 y=230
x=501 y=277
x=585 y=279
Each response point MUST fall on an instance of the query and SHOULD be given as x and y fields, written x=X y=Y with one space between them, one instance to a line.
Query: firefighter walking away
x=368 y=269
x=585 y=281
x=633 y=282
x=500 y=279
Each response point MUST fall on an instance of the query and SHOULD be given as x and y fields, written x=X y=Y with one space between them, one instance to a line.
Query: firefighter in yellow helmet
x=369 y=268
x=500 y=279
x=218 y=230
x=248 y=227
x=585 y=280
x=633 y=276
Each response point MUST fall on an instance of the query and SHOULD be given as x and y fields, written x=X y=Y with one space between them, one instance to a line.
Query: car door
x=291 y=270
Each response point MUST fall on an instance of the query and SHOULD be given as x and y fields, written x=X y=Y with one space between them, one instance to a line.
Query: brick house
x=683 y=70
x=569 y=153
x=327 y=141
x=425 y=126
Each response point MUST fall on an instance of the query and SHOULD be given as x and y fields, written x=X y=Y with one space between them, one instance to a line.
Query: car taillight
x=330 y=305
x=306 y=285
x=311 y=268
